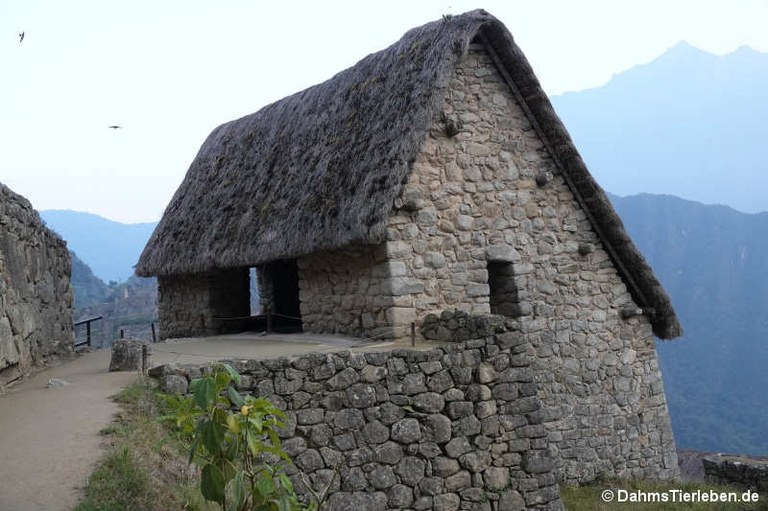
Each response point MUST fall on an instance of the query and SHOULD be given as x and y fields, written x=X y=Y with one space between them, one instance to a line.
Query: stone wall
x=35 y=293
x=454 y=427
x=473 y=199
x=742 y=471
x=348 y=292
x=194 y=305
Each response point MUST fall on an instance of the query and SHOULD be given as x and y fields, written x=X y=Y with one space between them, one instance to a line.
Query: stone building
x=431 y=176
x=35 y=293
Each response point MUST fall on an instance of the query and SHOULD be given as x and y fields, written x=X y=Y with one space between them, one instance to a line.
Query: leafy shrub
x=234 y=439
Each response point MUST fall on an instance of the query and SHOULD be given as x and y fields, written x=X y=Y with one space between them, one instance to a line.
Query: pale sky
x=170 y=71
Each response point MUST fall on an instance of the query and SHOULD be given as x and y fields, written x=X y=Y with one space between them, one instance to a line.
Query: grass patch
x=144 y=468
x=590 y=497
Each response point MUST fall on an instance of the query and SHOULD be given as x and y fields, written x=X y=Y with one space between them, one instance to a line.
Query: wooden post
x=269 y=320
x=144 y=359
x=413 y=334
x=122 y=334
x=154 y=337
x=360 y=324
x=88 y=333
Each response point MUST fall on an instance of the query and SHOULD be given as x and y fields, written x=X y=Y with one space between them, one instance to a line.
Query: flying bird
x=115 y=127
x=21 y=37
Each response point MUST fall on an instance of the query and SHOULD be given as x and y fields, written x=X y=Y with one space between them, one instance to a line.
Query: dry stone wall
x=743 y=471
x=35 y=293
x=459 y=427
x=488 y=192
x=348 y=291
x=194 y=305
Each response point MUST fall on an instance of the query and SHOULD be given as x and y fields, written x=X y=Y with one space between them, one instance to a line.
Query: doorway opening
x=283 y=280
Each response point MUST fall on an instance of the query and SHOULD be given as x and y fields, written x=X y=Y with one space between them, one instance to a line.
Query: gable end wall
x=473 y=197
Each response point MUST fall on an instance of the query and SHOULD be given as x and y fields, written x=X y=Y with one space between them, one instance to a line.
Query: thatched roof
x=320 y=169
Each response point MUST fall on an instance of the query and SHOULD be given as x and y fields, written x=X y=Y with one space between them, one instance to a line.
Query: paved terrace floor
x=49 y=437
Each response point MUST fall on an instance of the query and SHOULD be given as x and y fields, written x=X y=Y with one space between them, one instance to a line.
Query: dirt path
x=49 y=437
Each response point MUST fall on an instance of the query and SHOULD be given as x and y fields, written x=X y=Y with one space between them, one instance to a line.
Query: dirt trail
x=49 y=437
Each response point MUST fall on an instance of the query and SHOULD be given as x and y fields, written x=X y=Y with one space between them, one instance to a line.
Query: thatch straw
x=320 y=169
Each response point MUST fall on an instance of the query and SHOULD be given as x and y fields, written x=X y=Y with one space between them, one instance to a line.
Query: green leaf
x=193 y=450
x=236 y=488
x=285 y=482
x=204 y=390
x=284 y=503
x=234 y=376
x=274 y=438
x=257 y=421
x=212 y=436
x=212 y=483
x=252 y=442
x=222 y=379
x=265 y=486
x=233 y=424
x=235 y=397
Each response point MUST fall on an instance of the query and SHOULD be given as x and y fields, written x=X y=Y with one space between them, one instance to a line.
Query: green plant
x=234 y=439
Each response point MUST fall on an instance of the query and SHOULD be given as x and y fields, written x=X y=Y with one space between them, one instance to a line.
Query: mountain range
x=111 y=249
x=689 y=124
x=713 y=262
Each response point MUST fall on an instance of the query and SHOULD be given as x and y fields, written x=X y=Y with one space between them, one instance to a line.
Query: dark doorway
x=503 y=297
x=285 y=295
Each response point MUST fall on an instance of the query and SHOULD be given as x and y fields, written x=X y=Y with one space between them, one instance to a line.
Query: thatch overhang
x=320 y=169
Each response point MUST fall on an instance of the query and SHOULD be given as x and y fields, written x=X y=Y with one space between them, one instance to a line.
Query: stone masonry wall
x=742 y=471
x=193 y=305
x=454 y=427
x=474 y=198
x=348 y=292
x=35 y=293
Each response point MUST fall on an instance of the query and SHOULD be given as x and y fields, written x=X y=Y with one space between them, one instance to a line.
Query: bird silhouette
x=115 y=127
x=21 y=37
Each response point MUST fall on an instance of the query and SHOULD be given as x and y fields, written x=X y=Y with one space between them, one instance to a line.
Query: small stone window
x=503 y=289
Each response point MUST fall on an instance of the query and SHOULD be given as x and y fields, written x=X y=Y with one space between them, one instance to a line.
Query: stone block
x=126 y=355
x=446 y=502
x=174 y=384
x=429 y=402
x=406 y=431
x=399 y=496
x=496 y=478
x=411 y=470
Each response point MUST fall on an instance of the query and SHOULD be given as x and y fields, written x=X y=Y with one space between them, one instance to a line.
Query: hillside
x=88 y=288
x=110 y=248
x=713 y=261
x=690 y=124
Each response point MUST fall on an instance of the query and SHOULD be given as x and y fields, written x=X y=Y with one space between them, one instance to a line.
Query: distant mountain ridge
x=713 y=262
x=110 y=248
x=690 y=124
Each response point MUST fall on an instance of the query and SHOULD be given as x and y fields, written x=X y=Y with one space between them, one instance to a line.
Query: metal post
x=413 y=334
x=154 y=336
x=122 y=334
x=269 y=320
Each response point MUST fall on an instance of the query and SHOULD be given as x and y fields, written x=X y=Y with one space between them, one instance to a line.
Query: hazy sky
x=170 y=71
